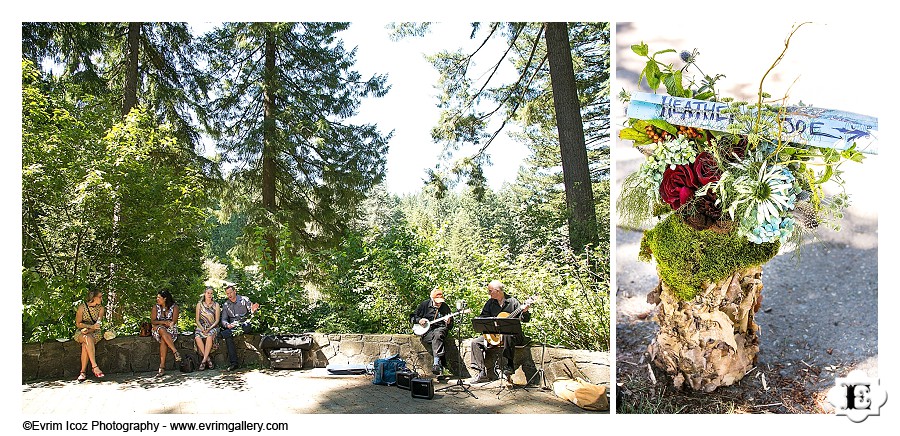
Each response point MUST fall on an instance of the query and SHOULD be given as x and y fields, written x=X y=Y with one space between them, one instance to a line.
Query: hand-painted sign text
x=802 y=124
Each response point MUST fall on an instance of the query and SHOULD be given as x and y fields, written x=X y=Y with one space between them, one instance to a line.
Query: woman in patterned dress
x=208 y=312
x=164 y=319
x=87 y=319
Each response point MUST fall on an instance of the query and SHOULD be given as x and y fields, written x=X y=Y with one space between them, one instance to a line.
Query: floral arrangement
x=729 y=182
x=749 y=177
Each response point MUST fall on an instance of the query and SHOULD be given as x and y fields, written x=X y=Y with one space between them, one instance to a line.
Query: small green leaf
x=639 y=124
x=828 y=172
x=673 y=84
x=679 y=83
x=852 y=154
x=830 y=155
x=662 y=124
x=652 y=73
x=640 y=49
x=635 y=135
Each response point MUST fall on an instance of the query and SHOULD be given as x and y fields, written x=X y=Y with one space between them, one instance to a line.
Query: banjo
x=420 y=330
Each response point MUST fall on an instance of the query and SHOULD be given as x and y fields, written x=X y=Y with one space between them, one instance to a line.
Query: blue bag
x=386 y=370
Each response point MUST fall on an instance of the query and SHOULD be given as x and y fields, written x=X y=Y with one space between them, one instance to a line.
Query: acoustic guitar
x=494 y=339
x=420 y=330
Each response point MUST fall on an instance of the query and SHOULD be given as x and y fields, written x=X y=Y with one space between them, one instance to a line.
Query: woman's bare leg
x=84 y=357
x=199 y=342
x=209 y=346
x=89 y=347
x=163 y=348
x=167 y=338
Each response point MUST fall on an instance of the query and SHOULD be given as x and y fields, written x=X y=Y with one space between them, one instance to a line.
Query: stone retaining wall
x=130 y=354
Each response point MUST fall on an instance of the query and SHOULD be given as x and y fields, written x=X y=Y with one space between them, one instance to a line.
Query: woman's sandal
x=160 y=373
x=81 y=378
x=98 y=373
x=177 y=357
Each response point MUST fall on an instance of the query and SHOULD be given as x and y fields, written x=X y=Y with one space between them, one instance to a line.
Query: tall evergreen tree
x=464 y=121
x=573 y=154
x=155 y=65
x=151 y=64
x=73 y=46
x=281 y=93
x=541 y=178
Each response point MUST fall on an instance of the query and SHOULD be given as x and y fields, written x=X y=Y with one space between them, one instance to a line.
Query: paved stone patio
x=273 y=392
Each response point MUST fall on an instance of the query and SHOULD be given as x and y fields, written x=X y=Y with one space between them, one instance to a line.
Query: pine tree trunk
x=268 y=153
x=573 y=152
x=129 y=99
x=709 y=341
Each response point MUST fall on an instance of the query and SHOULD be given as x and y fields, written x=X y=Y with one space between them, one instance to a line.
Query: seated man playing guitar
x=498 y=305
x=432 y=330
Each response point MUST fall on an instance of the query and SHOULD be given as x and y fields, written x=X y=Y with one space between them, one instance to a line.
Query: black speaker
x=404 y=378
x=422 y=388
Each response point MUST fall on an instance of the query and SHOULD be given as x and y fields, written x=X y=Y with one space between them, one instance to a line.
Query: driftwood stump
x=711 y=340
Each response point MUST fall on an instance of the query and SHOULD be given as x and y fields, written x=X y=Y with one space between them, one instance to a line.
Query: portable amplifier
x=404 y=378
x=422 y=388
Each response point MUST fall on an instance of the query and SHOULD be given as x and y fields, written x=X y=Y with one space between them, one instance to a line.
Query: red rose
x=678 y=185
x=736 y=150
x=706 y=169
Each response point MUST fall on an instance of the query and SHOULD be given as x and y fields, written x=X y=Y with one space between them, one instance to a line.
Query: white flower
x=764 y=193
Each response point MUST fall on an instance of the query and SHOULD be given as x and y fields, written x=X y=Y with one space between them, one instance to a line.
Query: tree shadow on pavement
x=148 y=380
x=301 y=391
x=365 y=398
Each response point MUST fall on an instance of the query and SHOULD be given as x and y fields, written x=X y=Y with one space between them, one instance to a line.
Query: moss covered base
x=711 y=340
x=687 y=258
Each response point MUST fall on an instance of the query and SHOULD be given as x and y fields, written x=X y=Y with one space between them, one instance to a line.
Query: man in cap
x=433 y=308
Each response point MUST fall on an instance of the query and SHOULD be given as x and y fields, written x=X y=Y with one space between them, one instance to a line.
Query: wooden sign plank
x=802 y=124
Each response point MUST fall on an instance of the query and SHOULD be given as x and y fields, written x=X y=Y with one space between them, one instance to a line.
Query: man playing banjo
x=428 y=311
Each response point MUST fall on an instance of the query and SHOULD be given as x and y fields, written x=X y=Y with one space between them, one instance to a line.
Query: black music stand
x=540 y=374
x=463 y=386
x=501 y=326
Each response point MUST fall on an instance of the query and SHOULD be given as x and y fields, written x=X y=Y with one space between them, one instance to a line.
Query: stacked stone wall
x=134 y=354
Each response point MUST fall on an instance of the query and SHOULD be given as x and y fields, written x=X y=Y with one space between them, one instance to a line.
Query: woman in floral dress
x=164 y=319
x=208 y=312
